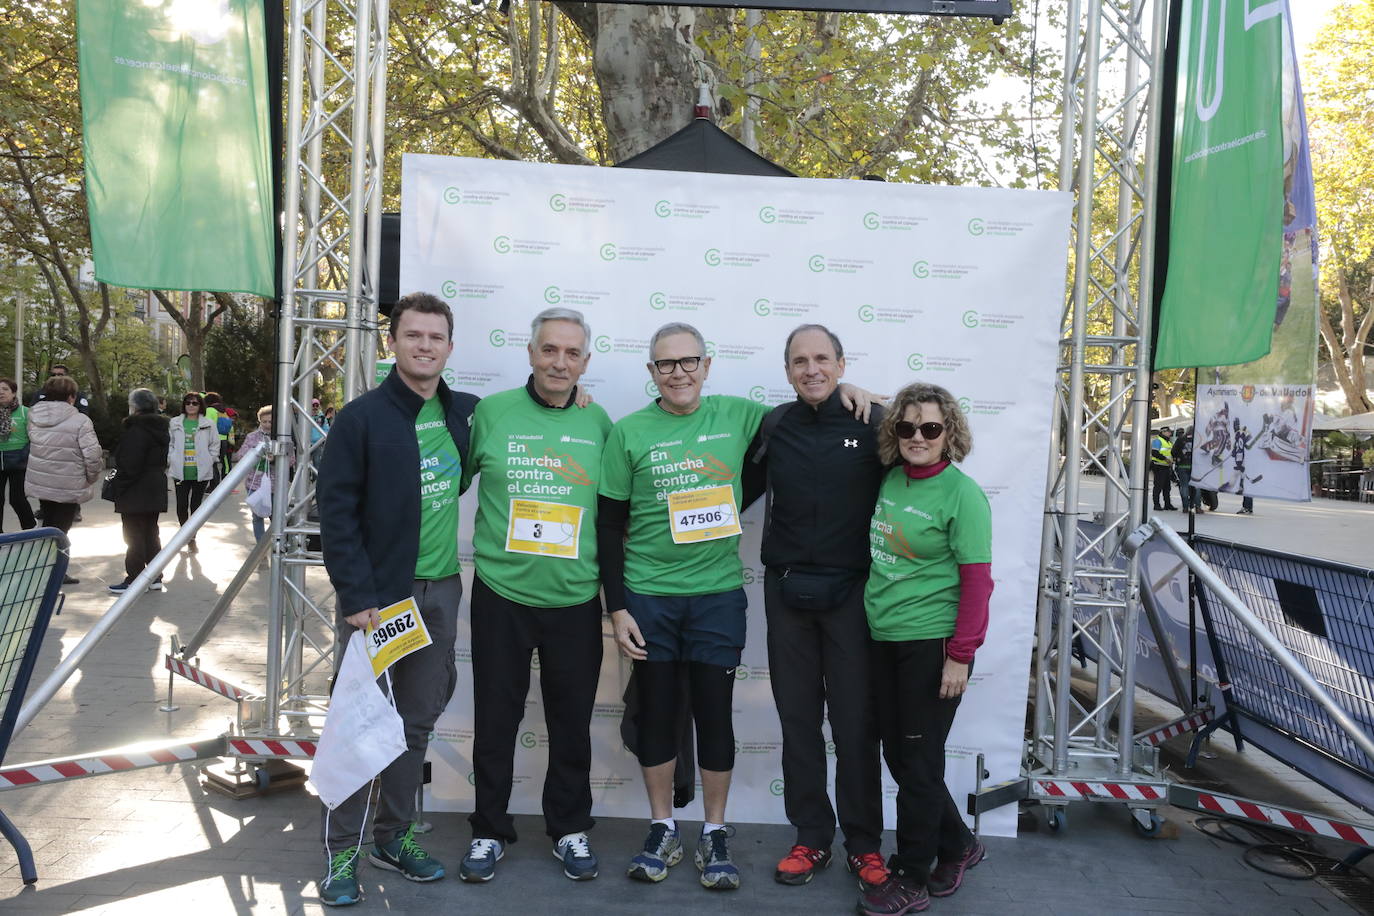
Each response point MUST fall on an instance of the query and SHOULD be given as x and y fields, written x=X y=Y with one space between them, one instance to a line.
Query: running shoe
x=801 y=864
x=662 y=850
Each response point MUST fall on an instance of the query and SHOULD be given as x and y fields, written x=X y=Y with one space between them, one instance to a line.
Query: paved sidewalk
x=152 y=841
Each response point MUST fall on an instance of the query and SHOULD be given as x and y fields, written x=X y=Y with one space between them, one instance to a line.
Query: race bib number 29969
x=401 y=632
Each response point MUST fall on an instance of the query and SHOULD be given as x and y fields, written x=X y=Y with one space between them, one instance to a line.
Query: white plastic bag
x=260 y=500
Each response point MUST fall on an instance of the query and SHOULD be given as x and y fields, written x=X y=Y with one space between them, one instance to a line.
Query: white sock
x=708 y=828
x=671 y=822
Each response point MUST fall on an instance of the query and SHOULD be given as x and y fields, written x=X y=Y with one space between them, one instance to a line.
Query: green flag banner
x=1225 y=232
x=176 y=137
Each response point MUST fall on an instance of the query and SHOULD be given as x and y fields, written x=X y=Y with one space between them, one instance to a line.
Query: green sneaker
x=404 y=855
x=340 y=885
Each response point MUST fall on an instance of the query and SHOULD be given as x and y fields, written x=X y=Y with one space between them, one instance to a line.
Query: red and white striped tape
x=1173 y=729
x=29 y=774
x=1056 y=788
x=1301 y=821
x=194 y=674
x=270 y=747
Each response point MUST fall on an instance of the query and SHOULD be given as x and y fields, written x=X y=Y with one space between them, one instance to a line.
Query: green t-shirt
x=19 y=431
x=188 y=448
x=440 y=474
x=534 y=538
x=921 y=532
x=653 y=453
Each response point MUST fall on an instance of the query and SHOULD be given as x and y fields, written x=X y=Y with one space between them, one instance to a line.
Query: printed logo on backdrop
x=557 y=295
x=775 y=787
x=499 y=338
x=453 y=735
x=604 y=343
x=869 y=314
x=782 y=216
x=929 y=270
x=452 y=289
x=765 y=308
x=505 y=244
x=758 y=748
x=976 y=407
x=922 y=362
x=612 y=251
x=736 y=352
x=651 y=389
x=611 y=782
x=671 y=302
x=892 y=222
x=718 y=257
x=667 y=209
x=533 y=740
x=473 y=197
x=771 y=396
x=823 y=264
x=996 y=228
x=571 y=203
x=609 y=711
x=752 y=673
x=992 y=321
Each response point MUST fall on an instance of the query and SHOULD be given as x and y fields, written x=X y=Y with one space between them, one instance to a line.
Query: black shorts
x=694 y=628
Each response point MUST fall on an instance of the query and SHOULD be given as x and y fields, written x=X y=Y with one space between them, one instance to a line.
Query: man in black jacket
x=823 y=479
x=388 y=497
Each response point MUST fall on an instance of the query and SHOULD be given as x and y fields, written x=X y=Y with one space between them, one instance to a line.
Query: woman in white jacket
x=191 y=456
x=64 y=455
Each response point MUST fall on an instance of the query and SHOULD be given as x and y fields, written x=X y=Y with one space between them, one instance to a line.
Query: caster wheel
x=262 y=778
x=1056 y=820
x=1152 y=829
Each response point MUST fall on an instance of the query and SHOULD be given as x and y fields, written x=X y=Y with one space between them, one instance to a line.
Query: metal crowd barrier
x=32 y=564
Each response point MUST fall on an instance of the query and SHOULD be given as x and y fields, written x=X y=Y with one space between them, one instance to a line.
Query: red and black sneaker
x=801 y=864
x=870 y=868
x=896 y=896
x=946 y=877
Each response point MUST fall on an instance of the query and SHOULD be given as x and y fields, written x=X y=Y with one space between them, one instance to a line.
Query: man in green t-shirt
x=672 y=489
x=388 y=495
x=536 y=586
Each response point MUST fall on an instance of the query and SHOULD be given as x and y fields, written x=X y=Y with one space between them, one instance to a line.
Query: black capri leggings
x=711 y=689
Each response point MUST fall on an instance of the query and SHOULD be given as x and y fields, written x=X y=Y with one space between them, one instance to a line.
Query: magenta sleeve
x=975 y=588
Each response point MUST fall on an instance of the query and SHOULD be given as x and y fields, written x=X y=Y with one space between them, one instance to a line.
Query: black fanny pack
x=812 y=590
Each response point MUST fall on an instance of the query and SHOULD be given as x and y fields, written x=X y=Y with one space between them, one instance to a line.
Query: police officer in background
x=1162 y=468
x=823 y=476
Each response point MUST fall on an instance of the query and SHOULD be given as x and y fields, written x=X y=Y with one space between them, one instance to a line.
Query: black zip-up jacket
x=368 y=491
x=823 y=480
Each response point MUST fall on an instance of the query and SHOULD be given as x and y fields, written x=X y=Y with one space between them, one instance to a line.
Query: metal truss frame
x=1109 y=141
x=1089 y=589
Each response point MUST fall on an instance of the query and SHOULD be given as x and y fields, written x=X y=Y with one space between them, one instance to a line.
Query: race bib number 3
x=400 y=633
x=545 y=529
x=703 y=515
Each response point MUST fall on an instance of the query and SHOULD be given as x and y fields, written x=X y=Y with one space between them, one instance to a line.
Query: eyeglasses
x=905 y=429
x=190 y=403
x=668 y=366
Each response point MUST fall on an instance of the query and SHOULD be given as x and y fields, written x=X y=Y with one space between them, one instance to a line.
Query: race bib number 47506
x=703 y=515
x=400 y=633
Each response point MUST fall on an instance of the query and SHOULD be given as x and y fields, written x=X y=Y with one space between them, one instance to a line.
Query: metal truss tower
x=1089 y=589
x=1109 y=140
x=336 y=102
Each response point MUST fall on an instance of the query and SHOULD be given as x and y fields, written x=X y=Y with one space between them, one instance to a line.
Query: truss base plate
x=239 y=780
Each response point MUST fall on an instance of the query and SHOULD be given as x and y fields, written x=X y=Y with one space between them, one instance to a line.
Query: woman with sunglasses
x=191 y=456
x=927 y=604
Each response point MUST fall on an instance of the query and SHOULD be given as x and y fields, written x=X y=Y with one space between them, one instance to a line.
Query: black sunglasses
x=905 y=429
x=191 y=401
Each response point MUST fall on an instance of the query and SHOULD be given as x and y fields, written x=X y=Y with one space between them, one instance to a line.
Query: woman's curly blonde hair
x=958 y=439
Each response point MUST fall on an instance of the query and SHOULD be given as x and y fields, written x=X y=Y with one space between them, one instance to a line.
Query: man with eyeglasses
x=823 y=478
x=675 y=477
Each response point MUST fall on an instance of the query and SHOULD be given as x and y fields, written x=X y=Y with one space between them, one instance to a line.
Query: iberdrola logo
x=920 y=270
x=816 y=262
x=449 y=289
x=916 y=362
x=872 y=220
x=712 y=257
x=501 y=244
x=663 y=209
x=658 y=301
x=976 y=226
x=768 y=215
x=608 y=252
x=452 y=195
x=866 y=313
x=558 y=203
x=553 y=295
x=970 y=319
x=762 y=307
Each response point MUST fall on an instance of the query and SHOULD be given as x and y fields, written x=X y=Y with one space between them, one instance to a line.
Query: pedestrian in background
x=64 y=455
x=260 y=473
x=192 y=456
x=14 y=453
x=140 y=484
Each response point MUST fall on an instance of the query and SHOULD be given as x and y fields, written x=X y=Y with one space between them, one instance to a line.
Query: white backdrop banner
x=958 y=286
